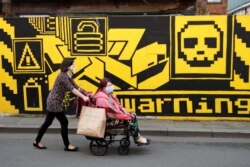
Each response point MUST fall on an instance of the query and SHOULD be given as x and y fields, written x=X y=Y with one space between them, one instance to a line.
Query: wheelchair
x=117 y=130
x=114 y=129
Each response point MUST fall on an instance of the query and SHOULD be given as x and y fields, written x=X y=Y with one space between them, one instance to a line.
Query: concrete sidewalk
x=31 y=123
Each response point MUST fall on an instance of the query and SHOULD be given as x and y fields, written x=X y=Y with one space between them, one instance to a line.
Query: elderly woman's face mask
x=109 y=89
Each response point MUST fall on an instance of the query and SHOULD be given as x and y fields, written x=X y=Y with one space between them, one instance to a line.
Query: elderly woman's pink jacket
x=114 y=109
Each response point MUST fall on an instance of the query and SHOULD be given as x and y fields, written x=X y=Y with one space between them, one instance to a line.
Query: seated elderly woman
x=105 y=99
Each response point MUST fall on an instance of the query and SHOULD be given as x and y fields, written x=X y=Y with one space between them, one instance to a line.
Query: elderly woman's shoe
x=139 y=142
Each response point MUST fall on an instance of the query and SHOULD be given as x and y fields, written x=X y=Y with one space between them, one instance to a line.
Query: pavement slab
x=31 y=123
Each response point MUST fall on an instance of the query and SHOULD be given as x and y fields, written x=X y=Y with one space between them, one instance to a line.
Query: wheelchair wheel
x=125 y=142
x=98 y=147
x=123 y=150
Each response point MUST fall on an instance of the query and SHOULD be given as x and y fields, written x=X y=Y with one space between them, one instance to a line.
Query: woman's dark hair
x=66 y=63
x=103 y=83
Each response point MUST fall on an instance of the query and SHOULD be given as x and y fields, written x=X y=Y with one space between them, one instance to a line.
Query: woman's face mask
x=109 y=89
x=72 y=68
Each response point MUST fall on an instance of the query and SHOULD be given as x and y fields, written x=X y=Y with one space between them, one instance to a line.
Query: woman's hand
x=85 y=98
x=79 y=94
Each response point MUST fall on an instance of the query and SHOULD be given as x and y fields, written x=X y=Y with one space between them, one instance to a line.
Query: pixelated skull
x=200 y=43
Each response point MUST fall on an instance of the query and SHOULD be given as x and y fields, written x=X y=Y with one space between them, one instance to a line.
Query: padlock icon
x=88 y=39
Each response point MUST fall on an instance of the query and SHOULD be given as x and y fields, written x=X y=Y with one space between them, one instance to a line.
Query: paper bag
x=92 y=122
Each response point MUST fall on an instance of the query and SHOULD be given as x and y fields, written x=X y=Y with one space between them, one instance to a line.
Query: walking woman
x=64 y=82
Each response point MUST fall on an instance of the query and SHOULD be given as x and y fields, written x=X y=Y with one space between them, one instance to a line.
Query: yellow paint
x=204 y=107
x=147 y=57
x=31 y=83
x=117 y=47
x=244 y=21
x=156 y=81
x=50 y=44
x=126 y=60
x=197 y=118
x=242 y=51
x=131 y=36
x=8 y=80
x=7 y=28
x=120 y=70
x=239 y=83
x=93 y=68
x=218 y=104
x=202 y=31
x=147 y=106
x=188 y=103
x=181 y=92
x=28 y=57
x=244 y=106
x=5 y=77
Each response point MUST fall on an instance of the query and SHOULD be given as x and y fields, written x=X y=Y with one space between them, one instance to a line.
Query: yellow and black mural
x=174 y=67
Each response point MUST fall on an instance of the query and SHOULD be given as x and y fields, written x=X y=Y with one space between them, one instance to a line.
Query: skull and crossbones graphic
x=203 y=48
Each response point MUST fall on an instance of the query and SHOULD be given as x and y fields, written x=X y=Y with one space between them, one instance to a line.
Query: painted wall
x=179 y=67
